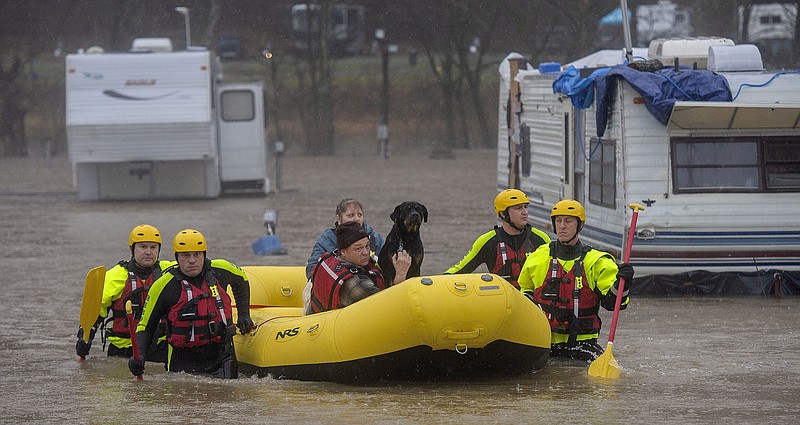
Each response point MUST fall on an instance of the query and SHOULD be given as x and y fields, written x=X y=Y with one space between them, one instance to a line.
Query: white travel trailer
x=661 y=20
x=770 y=26
x=721 y=181
x=158 y=124
x=347 y=32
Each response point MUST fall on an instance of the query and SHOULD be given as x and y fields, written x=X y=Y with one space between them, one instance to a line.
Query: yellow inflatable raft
x=425 y=328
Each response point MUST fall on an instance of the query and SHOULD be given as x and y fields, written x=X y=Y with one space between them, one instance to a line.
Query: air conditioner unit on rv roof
x=743 y=57
x=688 y=51
x=151 y=45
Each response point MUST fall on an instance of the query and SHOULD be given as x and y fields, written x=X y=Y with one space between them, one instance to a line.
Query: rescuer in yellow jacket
x=504 y=248
x=129 y=280
x=570 y=281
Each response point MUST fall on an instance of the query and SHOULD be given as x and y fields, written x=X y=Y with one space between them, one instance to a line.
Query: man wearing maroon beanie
x=349 y=273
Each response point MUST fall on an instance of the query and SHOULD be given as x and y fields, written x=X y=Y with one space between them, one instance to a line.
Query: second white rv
x=721 y=180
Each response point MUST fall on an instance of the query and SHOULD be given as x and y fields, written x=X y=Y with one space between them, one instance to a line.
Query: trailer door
x=242 y=136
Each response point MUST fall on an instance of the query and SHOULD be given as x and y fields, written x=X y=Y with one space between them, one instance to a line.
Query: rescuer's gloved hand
x=625 y=272
x=245 y=324
x=82 y=347
x=609 y=300
x=136 y=367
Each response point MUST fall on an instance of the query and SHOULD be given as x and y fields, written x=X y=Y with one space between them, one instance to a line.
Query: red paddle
x=606 y=365
x=132 y=329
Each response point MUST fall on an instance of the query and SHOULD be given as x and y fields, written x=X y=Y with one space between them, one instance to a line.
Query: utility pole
x=185 y=12
x=383 y=126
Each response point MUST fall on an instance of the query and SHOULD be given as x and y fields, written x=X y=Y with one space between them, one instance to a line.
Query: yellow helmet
x=189 y=240
x=509 y=198
x=569 y=207
x=144 y=233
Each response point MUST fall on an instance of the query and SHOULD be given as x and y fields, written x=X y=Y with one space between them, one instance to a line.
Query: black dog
x=407 y=218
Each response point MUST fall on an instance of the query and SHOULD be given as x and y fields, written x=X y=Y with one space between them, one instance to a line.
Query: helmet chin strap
x=508 y=220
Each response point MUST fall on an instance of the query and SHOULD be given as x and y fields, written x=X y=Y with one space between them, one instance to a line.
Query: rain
x=404 y=107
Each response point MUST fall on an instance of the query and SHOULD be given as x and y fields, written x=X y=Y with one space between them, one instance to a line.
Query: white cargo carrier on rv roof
x=148 y=126
x=721 y=180
x=688 y=51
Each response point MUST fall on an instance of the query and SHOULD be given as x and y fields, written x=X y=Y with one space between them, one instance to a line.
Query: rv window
x=337 y=17
x=727 y=164
x=782 y=165
x=304 y=22
x=579 y=156
x=238 y=105
x=603 y=172
x=567 y=146
x=525 y=148
x=353 y=18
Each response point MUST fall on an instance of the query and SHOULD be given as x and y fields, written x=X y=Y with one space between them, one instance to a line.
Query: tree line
x=458 y=41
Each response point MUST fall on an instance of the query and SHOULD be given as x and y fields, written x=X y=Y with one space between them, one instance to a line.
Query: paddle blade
x=92 y=299
x=606 y=365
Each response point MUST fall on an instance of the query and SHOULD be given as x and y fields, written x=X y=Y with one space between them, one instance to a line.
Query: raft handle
x=461 y=348
x=460 y=286
x=463 y=334
x=286 y=291
x=313 y=328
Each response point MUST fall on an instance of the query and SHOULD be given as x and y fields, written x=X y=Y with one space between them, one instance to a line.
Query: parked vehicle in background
x=651 y=21
x=230 y=47
x=347 y=33
x=770 y=26
x=662 y=20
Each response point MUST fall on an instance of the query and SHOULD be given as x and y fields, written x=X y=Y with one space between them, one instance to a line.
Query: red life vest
x=558 y=295
x=202 y=315
x=135 y=290
x=508 y=263
x=327 y=278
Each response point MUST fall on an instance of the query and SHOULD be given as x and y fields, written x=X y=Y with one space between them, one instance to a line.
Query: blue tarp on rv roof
x=659 y=89
x=580 y=90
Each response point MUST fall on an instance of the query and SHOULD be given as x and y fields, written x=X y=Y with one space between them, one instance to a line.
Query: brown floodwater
x=684 y=360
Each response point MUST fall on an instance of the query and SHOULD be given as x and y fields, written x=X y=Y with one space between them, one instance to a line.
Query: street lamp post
x=383 y=127
x=185 y=12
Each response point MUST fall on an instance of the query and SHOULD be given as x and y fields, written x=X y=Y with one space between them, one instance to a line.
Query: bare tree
x=456 y=48
x=796 y=42
x=314 y=69
x=12 y=111
x=20 y=44
x=483 y=19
